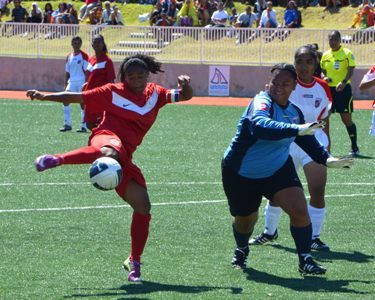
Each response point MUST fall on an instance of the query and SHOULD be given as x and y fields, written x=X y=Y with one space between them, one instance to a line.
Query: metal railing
x=227 y=46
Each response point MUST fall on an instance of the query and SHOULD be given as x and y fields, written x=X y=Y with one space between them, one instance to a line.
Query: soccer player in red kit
x=130 y=108
x=100 y=71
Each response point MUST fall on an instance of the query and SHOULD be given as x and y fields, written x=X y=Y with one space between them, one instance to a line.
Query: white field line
x=154 y=204
x=106 y=206
x=24 y=102
x=160 y=183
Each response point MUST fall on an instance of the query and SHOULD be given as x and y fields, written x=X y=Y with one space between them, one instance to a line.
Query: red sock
x=139 y=234
x=84 y=155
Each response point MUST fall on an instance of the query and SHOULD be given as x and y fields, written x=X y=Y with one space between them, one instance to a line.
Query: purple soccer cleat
x=134 y=268
x=46 y=161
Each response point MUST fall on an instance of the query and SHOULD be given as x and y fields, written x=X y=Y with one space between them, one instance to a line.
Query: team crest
x=317 y=102
x=261 y=106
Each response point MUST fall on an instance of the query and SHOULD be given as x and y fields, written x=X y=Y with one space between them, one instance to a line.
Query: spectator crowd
x=91 y=12
x=188 y=13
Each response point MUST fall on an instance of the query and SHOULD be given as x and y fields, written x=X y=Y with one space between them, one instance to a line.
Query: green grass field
x=63 y=239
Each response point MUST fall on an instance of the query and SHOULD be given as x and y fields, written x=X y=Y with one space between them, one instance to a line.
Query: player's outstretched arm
x=63 y=97
x=186 y=92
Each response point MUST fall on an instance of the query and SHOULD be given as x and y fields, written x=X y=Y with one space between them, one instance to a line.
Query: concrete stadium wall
x=49 y=74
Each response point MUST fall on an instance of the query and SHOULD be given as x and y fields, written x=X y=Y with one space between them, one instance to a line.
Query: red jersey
x=127 y=114
x=100 y=71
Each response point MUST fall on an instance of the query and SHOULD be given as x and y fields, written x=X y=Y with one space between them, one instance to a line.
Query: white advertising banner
x=218 y=81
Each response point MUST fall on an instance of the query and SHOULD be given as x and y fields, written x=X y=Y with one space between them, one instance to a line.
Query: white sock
x=83 y=123
x=67 y=116
x=317 y=216
x=272 y=214
x=372 y=129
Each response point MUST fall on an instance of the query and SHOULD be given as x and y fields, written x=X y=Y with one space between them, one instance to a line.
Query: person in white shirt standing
x=75 y=78
x=313 y=97
x=368 y=83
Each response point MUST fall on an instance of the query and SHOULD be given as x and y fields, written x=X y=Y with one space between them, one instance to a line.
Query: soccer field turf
x=63 y=239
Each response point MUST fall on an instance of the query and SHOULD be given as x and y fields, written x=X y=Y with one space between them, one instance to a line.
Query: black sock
x=242 y=240
x=352 y=131
x=302 y=238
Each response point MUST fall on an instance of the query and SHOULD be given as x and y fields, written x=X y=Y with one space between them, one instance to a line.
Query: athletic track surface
x=210 y=101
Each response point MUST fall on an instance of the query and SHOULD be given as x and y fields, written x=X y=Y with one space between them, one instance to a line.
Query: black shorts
x=342 y=102
x=245 y=195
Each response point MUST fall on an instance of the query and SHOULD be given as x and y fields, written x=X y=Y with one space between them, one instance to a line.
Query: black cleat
x=65 y=128
x=264 y=238
x=310 y=267
x=354 y=152
x=317 y=244
x=240 y=258
x=82 y=130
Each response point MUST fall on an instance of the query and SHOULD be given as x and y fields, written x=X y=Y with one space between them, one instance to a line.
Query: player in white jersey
x=75 y=77
x=368 y=83
x=313 y=97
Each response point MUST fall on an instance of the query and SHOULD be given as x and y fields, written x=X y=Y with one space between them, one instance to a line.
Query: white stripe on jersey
x=369 y=76
x=313 y=101
x=100 y=65
x=129 y=105
x=76 y=66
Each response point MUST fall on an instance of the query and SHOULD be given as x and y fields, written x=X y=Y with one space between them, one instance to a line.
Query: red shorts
x=106 y=138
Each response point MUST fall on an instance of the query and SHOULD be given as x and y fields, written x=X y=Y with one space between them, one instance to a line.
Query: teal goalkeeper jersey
x=264 y=134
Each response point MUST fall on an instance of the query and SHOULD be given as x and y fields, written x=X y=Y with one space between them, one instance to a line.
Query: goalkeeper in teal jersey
x=257 y=164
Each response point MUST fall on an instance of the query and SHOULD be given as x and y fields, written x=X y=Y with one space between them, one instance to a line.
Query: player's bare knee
x=245 y=224
x=110 y=152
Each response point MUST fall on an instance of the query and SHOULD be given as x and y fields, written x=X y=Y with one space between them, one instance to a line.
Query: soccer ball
x=105 y=173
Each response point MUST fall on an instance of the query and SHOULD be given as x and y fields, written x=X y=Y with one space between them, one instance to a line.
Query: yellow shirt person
x=336 y=64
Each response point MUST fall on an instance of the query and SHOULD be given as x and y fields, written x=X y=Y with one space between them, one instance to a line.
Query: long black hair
x=149 y=63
